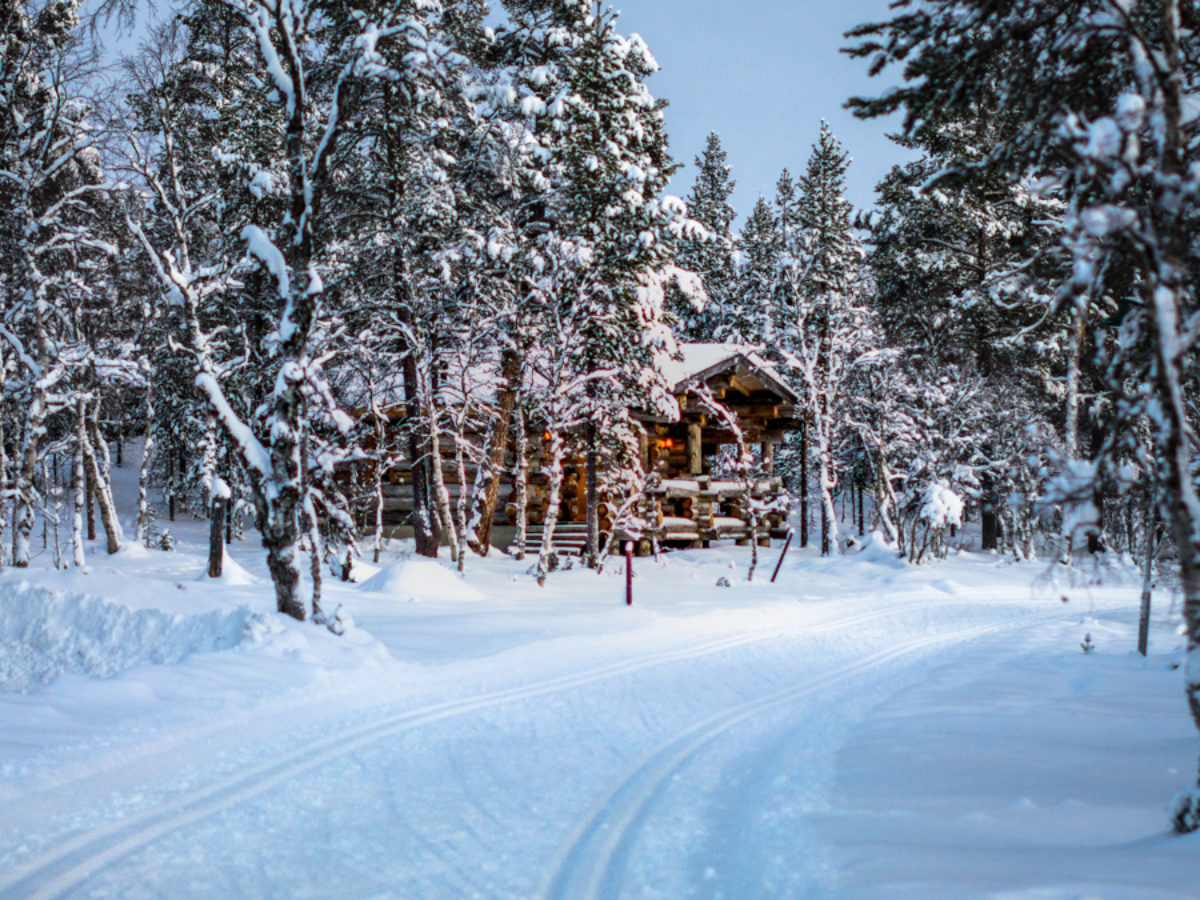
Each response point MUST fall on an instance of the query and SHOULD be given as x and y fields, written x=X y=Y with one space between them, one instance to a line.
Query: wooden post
x=768 y=458
x=782 y=554
x=695 y=457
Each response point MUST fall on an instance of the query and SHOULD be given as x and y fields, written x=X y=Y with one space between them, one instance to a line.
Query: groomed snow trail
x=597 y=857
x=564 y=785
x=54 y=873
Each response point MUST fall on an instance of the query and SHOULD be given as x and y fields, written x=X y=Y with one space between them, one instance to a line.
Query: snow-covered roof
x=700 y=361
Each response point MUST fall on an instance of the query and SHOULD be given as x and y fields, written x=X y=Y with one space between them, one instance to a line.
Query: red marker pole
x=786 y=544
x=629 y=573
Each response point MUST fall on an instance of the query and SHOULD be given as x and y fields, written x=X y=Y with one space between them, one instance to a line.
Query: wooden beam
x=695 y=458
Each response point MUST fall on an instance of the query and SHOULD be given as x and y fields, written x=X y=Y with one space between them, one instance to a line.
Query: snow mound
x=44 y=633
x=361 y=570
x=232 y=574
x=878 y=549
x=420 y=579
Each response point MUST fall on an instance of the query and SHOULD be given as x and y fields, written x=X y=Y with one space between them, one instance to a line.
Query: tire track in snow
x=69 y=864
x=593 y=860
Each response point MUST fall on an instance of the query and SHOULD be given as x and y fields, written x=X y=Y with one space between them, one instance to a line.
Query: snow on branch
x=262 y=248
x=254 y=453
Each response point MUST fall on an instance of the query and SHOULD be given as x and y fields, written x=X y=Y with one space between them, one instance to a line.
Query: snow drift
x=44 y=633
x=419 y=579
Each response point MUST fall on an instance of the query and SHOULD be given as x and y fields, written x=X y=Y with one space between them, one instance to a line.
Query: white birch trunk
x=460 y=464
x=557 y=450
x=522 y=483
x=143 y=502
x=440 y=494
x=79 y=498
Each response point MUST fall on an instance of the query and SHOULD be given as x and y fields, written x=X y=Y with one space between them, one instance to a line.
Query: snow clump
x=418 y=579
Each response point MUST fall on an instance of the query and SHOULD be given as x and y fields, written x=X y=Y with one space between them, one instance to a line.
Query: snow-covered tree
x=609 y=157
x=747 y=317
x=965 y=264
x=819 y=322
x=1100 y=89
x=710 y=255
x=304 y=61
x=54 y=255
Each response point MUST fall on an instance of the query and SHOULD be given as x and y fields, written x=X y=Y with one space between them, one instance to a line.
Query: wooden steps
x=570 y=538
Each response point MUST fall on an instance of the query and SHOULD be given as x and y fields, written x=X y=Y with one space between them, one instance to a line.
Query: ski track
x=57 y=871
x=593 y=860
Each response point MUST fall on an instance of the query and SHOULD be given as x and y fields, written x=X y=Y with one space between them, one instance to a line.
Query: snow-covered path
x=553 y=745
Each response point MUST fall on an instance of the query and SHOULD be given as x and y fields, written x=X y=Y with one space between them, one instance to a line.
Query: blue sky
x=762 y=74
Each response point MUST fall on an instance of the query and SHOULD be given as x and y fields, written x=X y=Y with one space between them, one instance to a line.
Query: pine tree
x=711 y=256
x=965 y=264
x=748 y=317
x=1099 y=94
x=609 y=148
x=819 y=321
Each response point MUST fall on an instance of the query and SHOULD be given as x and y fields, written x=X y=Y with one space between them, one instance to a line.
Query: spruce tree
x=819 y=322
x=748 y=316
x=611 y=152
x=1099 y=90
x=711 y=255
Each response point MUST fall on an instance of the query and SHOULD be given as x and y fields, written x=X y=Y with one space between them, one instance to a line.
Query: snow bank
x=420 y=579
x=878 y=549
x=44 y=633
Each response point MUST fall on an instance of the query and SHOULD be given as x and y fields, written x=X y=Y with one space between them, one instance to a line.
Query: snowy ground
x=859 y=729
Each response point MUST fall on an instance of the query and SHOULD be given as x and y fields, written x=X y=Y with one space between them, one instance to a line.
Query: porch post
x=695 y=459
x=768 y=458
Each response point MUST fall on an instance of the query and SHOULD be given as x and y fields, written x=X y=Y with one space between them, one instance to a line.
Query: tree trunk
x=143 y=504
x=510 y=368
x=280 y=505
x=90 y=488
x=102 y=497
x=862 y=518
x=26 y=495
x=424 y=528
x=216 y=536
x=522 y=483
x=460 y=469
x=310 y=525
x=829 y=528
x=593 y=497
x=79 y=492
x=441 y=495
x=556 y=480
x=377 y=486
x=989 y=520
x=1147 y=577
x=804 y=484
x=102 y=481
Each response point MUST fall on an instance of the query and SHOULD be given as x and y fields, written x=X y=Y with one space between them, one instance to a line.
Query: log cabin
x=686 y=503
